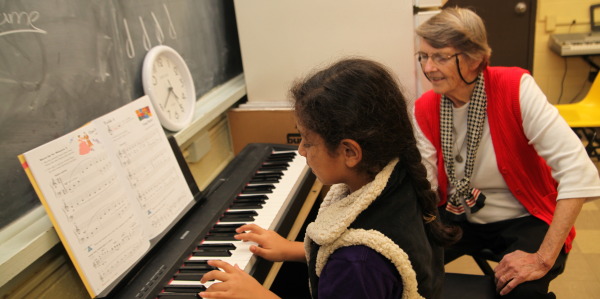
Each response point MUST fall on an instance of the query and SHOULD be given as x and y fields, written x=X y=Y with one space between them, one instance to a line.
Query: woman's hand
x=271 y=246
x=236 y=283
x=518 y=267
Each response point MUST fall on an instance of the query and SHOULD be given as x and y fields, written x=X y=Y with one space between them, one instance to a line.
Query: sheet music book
x=111 y=188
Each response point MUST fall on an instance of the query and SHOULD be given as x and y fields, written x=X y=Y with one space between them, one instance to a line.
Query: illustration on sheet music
x=85 y=144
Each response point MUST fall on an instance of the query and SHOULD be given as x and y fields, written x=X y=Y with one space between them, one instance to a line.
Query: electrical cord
x=562 y=82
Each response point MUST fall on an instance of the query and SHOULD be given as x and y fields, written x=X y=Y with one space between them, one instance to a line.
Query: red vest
x=526 y=173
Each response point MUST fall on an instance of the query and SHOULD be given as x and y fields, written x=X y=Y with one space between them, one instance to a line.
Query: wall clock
x=169 y=85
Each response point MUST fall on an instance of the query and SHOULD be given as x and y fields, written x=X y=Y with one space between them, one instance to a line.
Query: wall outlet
x=550 y=23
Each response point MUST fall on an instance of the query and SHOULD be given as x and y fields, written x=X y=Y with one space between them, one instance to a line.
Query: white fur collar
x=339 y=209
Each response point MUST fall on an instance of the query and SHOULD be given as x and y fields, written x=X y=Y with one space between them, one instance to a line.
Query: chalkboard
x=66 y=62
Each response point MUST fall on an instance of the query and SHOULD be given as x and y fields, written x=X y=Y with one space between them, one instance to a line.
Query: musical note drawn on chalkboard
x=158 y=30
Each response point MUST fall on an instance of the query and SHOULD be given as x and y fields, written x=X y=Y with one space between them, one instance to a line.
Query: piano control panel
x=572 y=44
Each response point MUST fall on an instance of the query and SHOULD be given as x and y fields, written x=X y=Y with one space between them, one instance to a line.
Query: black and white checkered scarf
x=476 y=114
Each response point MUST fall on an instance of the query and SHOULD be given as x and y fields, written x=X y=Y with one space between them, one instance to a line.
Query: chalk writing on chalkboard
x=64 y=63
x=24 y=19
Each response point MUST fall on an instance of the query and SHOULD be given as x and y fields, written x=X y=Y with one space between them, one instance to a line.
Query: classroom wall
x=557 y=16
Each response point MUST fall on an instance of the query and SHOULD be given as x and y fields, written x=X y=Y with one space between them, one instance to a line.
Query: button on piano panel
x=263 y=201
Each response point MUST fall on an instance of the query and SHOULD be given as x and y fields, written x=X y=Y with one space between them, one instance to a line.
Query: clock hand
x=168 y=95
x=175 y=95
x=171 y=90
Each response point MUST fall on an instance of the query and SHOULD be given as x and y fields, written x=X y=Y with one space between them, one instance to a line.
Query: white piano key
x=271 y=213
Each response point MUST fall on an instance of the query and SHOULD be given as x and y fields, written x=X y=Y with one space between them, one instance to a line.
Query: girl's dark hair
x=359 y=99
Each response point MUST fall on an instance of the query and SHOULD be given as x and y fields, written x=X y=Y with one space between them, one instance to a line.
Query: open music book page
x=109 y=188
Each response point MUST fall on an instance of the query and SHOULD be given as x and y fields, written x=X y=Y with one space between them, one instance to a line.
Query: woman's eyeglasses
x=437 y=58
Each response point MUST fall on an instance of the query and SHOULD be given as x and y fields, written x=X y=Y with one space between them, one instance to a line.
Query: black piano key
x=189 y=276
x=258 y=189
x=281 y=165
x=220 y=237
x=264 y=180
x=266 y=172
x=252 y=213
x=178 y=295
x=185 y=288
x=196 y=263
x=266 y=175
x=289 y=156
x=275 y=164
x=224 y=228
x=280 y=159
x=192 y=271
x=269 y=172
x=251 y=198
x=202 y=248
x=220 y=253
x=228 y=246
x=246 y=205
x=222 y=232
x=272 y=167
x=196 y=268
x=238 y=216
x=213 y=250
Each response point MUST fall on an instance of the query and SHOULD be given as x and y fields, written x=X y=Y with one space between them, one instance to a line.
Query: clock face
x=168 y=83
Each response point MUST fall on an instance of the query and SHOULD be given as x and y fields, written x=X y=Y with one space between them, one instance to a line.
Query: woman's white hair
x=459 y=28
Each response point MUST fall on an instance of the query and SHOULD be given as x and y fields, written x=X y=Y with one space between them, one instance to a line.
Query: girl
x=377 y=233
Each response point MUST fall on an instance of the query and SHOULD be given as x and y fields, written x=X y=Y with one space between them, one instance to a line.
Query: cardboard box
x=268 y=126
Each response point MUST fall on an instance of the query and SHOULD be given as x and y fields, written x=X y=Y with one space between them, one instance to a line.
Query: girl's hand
x=236 y=283
x=271 y=246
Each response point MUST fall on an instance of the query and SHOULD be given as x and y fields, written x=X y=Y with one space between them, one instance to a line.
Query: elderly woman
x=509 y=170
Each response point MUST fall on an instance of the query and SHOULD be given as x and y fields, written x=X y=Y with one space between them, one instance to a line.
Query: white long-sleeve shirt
x=551 y=137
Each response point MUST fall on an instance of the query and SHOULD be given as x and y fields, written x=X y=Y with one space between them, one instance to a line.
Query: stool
x=584 y=118
x=458 y=285
x=482 y=257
